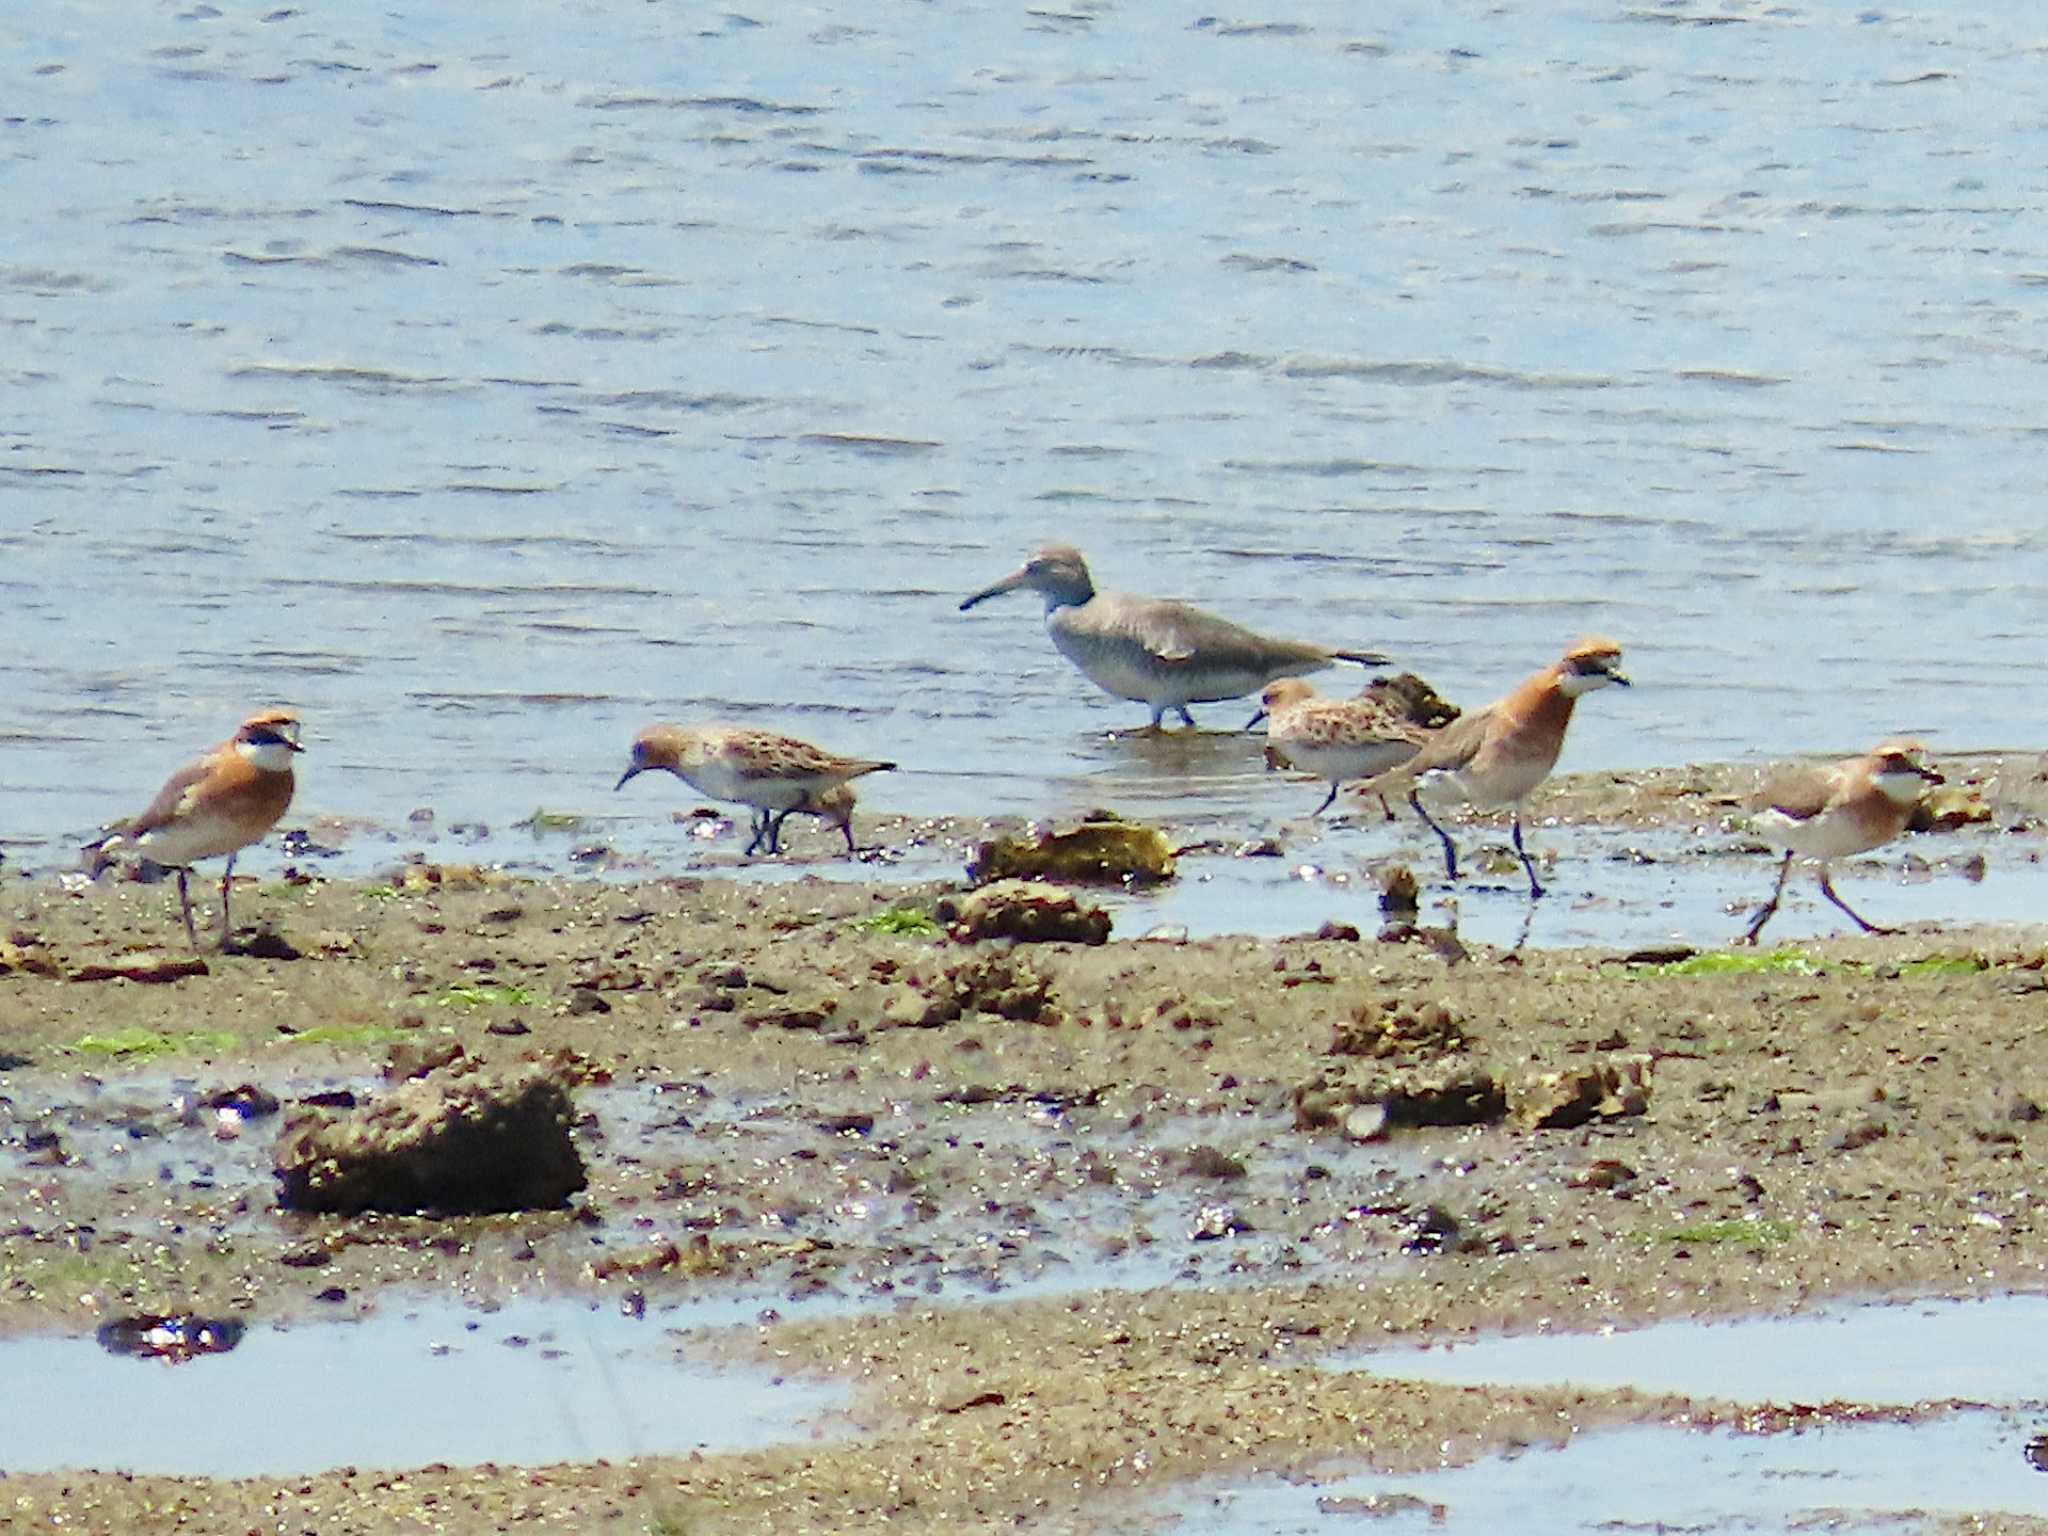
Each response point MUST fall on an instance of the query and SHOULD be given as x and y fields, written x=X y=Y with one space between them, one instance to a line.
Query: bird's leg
x=1450 y=848
x=1386 y=807
x=185 y=905
x=758 y=824
x=1828 y=891
x=1763 y=913
x=1328 y=801
x=1528 y=864
x=1186 y=719
x=226 y=879
x=774 y=827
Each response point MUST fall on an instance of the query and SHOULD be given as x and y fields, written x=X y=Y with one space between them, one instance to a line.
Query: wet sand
x=1069 y=1254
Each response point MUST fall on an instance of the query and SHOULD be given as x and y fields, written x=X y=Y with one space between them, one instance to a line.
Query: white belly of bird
x=1830 y=835
x=1338 y=762
x=193 y=838
x=1119 y=667
x=1508 y=783
x=721 y=781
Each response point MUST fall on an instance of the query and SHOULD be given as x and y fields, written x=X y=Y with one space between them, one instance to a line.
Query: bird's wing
x=1444 y=750
x=173 y=800
x=1180 y=634
x=770 y=755
x=1801 y=791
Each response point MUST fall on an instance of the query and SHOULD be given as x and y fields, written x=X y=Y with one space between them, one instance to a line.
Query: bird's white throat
x=270 y=756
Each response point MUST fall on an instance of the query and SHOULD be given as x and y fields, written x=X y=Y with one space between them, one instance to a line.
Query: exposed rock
x=792 y=1015
x=998 y=983
x=1603 y=1173
x=1365 y=1111
x=176 y=1337
x=1394 y=1028
x=27 y=954
x=1215 y=1221
x=1207 y=1162
x=1949 y=808
x=1471 y=1098
x=1400 y=896
x=416 y=1058
x=1028 y=911
x=1611 y=1089
x=1434 y=1230
x=1365 y=1122
x=247 y=1101
x=458 y=1144
x=1103 y=850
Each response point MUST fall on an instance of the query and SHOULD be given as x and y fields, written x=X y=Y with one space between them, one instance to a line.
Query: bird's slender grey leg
x=226 y=880
x=1828 y=890
x=775 y=831
x=185 y=905
x=1450 y=848
x=1528 y=864
x=1764 y=912
x=1386 y=807
x=1186 y=719
x=1328 y=800
x=758 y=823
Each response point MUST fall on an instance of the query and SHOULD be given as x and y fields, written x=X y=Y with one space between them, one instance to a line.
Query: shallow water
x=1852 y=1477
x=486 y=383
x=1849 y=1480
x=405 y=1386
x=1913 y=1352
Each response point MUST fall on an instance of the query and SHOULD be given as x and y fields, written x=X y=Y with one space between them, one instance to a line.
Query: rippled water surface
x=486 y=382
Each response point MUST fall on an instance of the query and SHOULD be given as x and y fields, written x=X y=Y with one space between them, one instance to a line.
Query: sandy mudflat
x=1097 y=1239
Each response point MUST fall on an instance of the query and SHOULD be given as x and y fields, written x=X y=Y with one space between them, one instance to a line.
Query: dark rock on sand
x=1102 y=850
x=1028 y=911
x=456 y=1144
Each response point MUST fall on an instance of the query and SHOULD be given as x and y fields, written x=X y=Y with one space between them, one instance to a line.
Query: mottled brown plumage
x=773 y=773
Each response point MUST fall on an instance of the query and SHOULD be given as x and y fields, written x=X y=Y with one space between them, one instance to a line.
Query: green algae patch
x=907 y=922
x=1708 y=1232
x=147 y=1044
x=469 y=996
x=346 y=1035
x=544 y=821
x=1738 y=962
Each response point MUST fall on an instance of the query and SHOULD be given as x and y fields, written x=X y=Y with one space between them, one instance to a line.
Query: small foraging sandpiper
x=1824 y=813
x=1164 y=654
x=217 y=804
x=1334 y=739
x=1499 y=754
x=774 y=774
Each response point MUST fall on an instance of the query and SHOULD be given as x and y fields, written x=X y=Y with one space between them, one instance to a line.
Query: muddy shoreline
x=1074 y=1222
